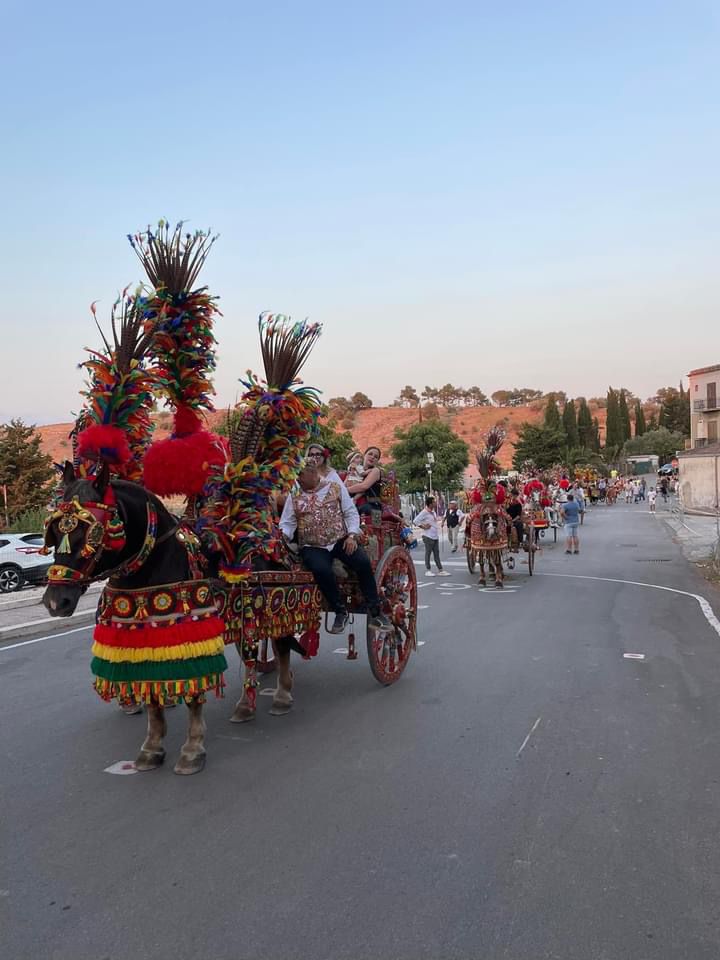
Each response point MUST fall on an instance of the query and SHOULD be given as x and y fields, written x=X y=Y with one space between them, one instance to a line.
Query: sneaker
x=576 y=551
x=339 y=623
x=443 y=573
x=568 y=551
x=429 y=573
x=379 y=620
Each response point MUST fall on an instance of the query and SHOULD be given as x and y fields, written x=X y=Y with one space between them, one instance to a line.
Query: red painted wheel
x=389 y=650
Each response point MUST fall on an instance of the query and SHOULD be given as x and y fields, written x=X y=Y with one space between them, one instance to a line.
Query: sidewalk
x=696 y=535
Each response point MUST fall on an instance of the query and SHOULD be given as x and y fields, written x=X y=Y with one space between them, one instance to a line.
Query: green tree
x=409 y=397
x=624 y=417
x=614 y=438
x=584 y=425
x=360 y=401
x=474 y=397
x=639 y=419
x=26 y=472
x=662 y=442
x=552 y=414
x=595 y=436
x=545 y=446
x=570 y=426
x=410 y=452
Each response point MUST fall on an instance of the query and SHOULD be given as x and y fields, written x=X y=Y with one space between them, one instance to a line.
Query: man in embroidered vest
x=327 y=525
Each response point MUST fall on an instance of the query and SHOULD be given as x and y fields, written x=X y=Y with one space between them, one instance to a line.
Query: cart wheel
x=471 y=560
x=389 y=650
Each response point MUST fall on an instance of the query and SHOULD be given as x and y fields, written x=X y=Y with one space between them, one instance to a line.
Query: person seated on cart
x=515 y=511
x=367 y=493
x=319 y=455
x=327 y=526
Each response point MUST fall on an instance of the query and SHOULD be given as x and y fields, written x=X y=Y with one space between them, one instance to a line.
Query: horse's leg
x=152 y=752
x=499 y=575
x=282 y=698
x=481 y=560
x=192 y=752
x=244 y=710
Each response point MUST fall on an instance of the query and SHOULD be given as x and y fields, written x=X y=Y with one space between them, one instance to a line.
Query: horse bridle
x=106 y=532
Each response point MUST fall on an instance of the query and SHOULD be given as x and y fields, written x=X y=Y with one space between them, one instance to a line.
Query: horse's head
x=86 y=534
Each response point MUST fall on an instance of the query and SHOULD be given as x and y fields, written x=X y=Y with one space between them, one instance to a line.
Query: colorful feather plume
x=487 y=458
x=183 y=350
x=270 y=431
x=114 y=425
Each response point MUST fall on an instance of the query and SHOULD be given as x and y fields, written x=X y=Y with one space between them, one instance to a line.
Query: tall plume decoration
x=181 y=318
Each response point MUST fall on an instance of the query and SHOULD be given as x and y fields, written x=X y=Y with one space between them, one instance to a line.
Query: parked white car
x=20 y=560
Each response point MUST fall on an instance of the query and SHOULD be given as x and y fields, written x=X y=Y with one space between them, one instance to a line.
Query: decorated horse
x=488 y=527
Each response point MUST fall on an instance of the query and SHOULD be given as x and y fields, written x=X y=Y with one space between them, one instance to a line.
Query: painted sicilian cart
x=488 y=527
x=179 y=589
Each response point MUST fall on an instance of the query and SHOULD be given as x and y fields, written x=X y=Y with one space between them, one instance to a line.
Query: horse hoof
x=500 y=585
x=242 y=714
x=187 y=766
x=280 y=709
x=149 y=761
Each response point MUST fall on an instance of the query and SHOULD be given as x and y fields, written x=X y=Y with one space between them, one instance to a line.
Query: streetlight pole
x=428 y=466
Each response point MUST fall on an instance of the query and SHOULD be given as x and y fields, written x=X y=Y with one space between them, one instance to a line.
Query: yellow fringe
x=181 y=651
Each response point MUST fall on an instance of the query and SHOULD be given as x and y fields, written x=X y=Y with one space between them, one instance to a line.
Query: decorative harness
x=106 y=532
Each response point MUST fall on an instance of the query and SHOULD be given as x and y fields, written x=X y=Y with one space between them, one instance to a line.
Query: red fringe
x=163 y=635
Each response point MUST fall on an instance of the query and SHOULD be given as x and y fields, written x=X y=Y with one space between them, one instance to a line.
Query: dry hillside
x=375 y=426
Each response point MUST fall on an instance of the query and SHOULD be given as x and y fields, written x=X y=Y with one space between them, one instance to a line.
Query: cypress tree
x=552 y=414
x=570 y=425
x=584 y=425
x=595 y=436
x=613 y=436
x=623 y=418
x=639 y=419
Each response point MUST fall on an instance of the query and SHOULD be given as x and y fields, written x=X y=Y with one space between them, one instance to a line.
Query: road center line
x=532 y=731
x=704 y=605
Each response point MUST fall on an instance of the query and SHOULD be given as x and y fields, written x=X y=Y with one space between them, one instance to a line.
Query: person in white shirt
x=427 y=520
x=327 y=526
x=319 y=455
x=652 y=497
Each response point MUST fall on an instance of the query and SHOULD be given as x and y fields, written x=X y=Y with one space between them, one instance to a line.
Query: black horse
x=142 y=558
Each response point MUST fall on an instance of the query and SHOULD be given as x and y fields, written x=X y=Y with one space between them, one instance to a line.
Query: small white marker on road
x=634 y=656
x=123 y=768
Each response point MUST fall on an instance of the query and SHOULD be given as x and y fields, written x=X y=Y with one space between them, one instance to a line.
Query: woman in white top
x=427 y=520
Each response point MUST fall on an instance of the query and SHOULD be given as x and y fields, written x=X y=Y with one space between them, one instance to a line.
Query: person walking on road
x=652 y=497
x=579 y=496
x=427 y=520
x=453 y=520
x=571 y=515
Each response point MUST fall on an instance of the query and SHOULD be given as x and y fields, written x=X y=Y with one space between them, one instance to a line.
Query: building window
x=711 y=396
x=712 y=430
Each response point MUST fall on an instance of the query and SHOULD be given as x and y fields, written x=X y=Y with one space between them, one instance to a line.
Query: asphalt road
x=525 y=791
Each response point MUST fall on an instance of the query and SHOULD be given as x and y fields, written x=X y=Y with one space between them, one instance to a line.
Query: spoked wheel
x=389 y=650
x=471 y=559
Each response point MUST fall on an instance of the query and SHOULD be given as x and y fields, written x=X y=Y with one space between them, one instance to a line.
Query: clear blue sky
x=495 y=194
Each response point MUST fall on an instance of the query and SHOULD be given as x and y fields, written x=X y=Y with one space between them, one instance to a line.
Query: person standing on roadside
x=453 y=520
x=427 y=520
x=571 y=515
x=579 y=497
x=652 y=497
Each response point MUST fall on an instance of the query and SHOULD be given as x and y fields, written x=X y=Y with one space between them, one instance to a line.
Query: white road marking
x=267 y=692
x=704 y=605
x=123 y=768
x=446 y=593
x=532 y=731
x=421 y=643
x=423 y=606
x=340 y=650
x=634 y=656
x=32 y=623
x=50 y=636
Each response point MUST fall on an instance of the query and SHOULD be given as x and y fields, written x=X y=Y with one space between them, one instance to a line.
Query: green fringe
x=166 y=670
